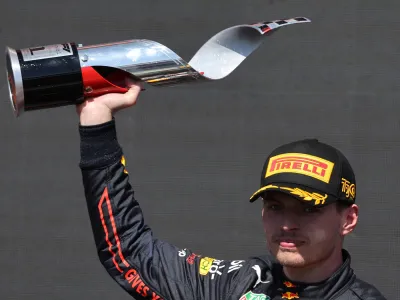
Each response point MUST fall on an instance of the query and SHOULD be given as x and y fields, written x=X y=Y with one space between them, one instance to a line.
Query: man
x=308 y=190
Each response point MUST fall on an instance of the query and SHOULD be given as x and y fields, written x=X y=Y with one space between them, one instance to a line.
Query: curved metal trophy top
x=157 y=65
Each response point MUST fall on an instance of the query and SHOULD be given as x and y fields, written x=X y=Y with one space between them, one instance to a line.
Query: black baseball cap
x=309 y=170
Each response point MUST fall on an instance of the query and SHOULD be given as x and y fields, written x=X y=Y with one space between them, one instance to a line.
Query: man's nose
x=290 y=220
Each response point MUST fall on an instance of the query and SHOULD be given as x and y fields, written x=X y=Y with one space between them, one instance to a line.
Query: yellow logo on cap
x=307 y=196
x=300 y=163
x=349 y=189
x=318 y=199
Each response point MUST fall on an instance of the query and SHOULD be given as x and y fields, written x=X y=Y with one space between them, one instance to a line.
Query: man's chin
x=290 y=258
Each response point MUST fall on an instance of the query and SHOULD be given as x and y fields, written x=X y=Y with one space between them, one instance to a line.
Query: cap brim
x=302 y=193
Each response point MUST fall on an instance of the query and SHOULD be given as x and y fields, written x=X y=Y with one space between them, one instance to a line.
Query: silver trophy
x=67 y=74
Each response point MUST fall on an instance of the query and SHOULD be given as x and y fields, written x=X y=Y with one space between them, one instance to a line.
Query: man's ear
x=349 y=219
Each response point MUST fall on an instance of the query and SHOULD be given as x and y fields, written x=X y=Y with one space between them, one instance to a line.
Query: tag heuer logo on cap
x=252 y=296
x=300 y=163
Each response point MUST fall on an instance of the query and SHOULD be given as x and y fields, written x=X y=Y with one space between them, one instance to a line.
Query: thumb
x=133 y=93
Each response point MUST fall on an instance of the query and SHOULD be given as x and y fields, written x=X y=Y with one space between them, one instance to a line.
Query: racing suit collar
x=325 y=289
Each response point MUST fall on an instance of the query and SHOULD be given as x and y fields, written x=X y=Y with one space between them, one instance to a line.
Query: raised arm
x=145 y=267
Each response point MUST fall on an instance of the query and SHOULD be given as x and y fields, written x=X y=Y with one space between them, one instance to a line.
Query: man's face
x=299 y=235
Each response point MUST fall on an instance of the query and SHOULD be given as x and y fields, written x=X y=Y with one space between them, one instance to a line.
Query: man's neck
x=316 y=272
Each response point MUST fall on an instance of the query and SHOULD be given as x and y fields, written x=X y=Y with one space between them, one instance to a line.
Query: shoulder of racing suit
x=361 y=289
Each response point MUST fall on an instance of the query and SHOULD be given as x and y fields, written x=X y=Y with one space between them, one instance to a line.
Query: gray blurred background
x=195 y=153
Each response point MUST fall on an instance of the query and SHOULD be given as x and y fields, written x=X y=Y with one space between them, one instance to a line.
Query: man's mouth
x=289 y=243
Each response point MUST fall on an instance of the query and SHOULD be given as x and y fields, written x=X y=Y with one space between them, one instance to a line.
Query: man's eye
x=311 y=210
x=273 y=207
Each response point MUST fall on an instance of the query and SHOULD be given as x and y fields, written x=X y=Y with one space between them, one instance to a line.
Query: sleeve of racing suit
x=145 y=267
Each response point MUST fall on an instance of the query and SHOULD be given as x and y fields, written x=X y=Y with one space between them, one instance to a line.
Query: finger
x=131 y=81
x=132 y=94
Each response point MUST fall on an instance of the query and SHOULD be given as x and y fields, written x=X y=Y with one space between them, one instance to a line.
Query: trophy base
x=44 y=77
x=14 y=77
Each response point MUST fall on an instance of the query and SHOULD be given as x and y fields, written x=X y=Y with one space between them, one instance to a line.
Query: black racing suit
x=148 y=268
